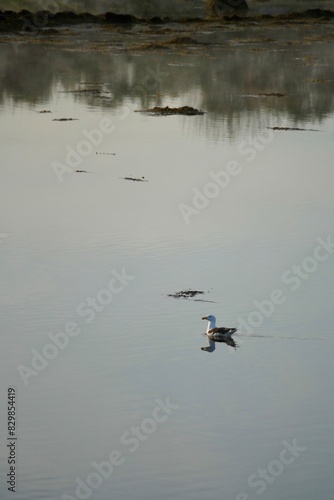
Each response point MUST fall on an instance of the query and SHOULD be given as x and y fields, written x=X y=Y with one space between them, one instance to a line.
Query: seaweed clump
x=294 y=128
x=167 y=111
x=135 y=179
x=185 y=294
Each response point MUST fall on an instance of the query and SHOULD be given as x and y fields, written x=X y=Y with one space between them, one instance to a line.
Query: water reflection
x=233 y=98
x=223 y=340
x=65 y=238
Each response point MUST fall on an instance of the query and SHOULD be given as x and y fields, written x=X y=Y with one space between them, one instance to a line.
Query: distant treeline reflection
x=233 y=86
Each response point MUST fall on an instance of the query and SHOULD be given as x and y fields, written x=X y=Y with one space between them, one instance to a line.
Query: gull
x=217 y=334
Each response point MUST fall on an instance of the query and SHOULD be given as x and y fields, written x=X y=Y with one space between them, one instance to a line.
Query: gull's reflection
x=222 y=340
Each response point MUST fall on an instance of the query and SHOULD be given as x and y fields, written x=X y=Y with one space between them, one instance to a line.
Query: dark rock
x=222 y=7
x=156 y=20
x=111 y=17
x=318 y=13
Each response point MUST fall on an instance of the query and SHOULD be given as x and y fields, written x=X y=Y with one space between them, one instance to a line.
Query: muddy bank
x=28 y=21
x=32 y=22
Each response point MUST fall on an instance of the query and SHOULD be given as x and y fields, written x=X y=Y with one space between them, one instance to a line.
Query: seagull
x=219 y=334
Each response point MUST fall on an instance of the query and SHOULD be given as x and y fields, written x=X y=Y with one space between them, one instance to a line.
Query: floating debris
x=94 y=83
x=202 y=300
x=272 y=94
x=165 y=44
x=81 y=91
x=167 y=111
x=185 y=294
x=189 y=294
x=293 y=128
x=97 y=93
x=64 y=119
x=320 y=80
x=134 y=179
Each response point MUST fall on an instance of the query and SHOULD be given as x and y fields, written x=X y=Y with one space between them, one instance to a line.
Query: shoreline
x=26 y=21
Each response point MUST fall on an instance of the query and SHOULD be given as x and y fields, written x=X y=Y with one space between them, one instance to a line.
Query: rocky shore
x=26 y=21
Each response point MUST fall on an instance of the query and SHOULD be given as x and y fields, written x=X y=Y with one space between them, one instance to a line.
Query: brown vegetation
x=167 y=111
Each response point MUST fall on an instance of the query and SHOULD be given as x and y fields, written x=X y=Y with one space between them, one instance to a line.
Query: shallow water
x=254 y=241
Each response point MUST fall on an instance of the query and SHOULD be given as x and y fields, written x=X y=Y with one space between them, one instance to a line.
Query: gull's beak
x=204 y=317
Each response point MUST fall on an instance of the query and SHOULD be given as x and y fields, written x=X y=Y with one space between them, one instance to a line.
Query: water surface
x=251 y=239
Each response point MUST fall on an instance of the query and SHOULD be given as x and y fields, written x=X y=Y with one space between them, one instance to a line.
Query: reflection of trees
x=244 y=73
x=25 y=76
x=222 y=85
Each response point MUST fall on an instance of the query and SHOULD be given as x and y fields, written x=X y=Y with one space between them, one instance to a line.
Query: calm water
x=239 y=423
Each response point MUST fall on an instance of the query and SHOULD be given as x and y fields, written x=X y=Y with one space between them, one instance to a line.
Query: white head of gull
x=217 y=333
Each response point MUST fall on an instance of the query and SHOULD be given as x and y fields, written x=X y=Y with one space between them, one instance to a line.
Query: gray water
x=128 y=382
